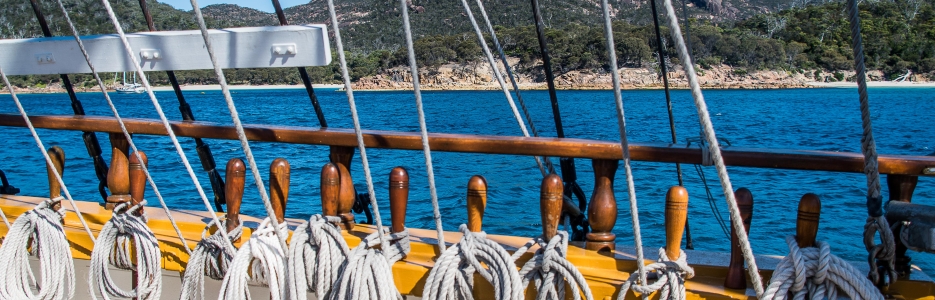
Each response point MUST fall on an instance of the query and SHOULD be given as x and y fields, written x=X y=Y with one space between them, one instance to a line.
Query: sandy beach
x=216 y=87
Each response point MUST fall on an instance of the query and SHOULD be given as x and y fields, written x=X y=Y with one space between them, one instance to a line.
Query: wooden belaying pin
x=341 y=158
x=58 y=162
x=279 y=187
x=330 y=189
x=476 y=202
x=118 y=177
x=235 y=174
x=806 y=223
x=137 y=178
x=676 y=214
x=399 y=198
x=602 y=210
x=550 y=204
x=736 y=277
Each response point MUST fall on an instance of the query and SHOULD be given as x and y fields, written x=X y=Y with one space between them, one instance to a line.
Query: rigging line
x=90 y=138
x=425 y=137
x=261 y=188
x=688 y=31
x=204 y=152
x=496 y=72
x=123 y=127
x=48 y=160
x=357 y=131
x=665 y=83
x=303 y=73
x=624 y=145
x=509 y=72
x=715 y=150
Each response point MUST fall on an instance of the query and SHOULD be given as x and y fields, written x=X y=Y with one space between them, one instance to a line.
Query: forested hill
x=799 y=36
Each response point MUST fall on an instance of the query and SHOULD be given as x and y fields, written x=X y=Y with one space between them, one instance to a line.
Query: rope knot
x=815 y=273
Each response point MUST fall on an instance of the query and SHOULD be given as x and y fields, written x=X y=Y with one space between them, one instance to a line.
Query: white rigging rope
x=317 y=251
x=452 y=277
x=368 y=273
x=264 y=257
x=38 y=232
x=815 y=273
x=124 y=230
x=715 y=149
x=211 y=257
x=624 y=145
x=670 y=278
x=551 y=271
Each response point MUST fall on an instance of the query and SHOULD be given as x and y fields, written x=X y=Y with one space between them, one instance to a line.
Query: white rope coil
x=549 y=269
x=452 y=277
x=815 y=273
x=265 y=260
x=316 y=253
x=670 y=278
x=211 y=257
x=37 y=232
x=125 y=230
x=368 y=273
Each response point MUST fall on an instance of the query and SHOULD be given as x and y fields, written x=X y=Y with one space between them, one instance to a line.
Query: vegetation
x=813 y=39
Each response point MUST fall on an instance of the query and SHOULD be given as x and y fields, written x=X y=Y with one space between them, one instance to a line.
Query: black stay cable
x=90 y=138
x=204 y=152
x=303 y=73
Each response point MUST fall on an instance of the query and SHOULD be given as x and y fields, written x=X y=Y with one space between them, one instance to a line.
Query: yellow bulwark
x=604 y=272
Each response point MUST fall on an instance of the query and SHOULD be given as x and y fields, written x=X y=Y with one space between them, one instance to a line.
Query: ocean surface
x=811 y=119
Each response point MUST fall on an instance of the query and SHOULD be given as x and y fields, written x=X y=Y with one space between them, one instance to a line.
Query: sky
x=264 y=5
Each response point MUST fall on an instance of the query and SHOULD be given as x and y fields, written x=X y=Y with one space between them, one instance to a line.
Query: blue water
x=813 y=119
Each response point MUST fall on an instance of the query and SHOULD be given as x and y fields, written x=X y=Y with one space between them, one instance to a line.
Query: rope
x=368 y=273
x=715 y=150
x=425 y=136
x=356 y=119
x=550 y=271
x=264 y=258
x=816 y=273
x=316 y=253
x=624 y=144
x=886 y=251
x=496 y=72
x=452 y=277
x=670 y=280
x=124 y=230
x=38 y=232
x=211 y=257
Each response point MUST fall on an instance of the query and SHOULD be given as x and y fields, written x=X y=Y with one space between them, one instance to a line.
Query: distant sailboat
x=132 y=88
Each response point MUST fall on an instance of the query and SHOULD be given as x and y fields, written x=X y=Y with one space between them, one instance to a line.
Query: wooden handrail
x=555 y=147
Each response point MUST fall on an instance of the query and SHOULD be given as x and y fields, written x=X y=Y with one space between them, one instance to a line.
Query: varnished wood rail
x=580 y=148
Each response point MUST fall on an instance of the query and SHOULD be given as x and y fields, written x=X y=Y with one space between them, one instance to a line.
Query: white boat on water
x=130 y=88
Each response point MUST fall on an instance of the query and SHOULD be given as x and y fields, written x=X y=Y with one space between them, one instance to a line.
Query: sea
x=825 y=119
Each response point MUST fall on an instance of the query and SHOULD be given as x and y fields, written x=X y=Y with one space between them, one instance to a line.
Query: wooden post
x=806 y=223
x=279 y=187
x=58 y=162
x=476 y=202
x=901 y=188
x=118 y=177
x=550 y=204
x=399 y=198
x=137 y=178
x=330 y=189
x=341 y=157
x=736 y=277
x=235 y=174
x=602 y=211
x=676 y=215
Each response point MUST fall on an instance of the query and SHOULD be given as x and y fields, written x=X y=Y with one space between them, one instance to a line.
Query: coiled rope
x=126 y=231
x=715 y=149
x=37 y=232
x=670 y=278
x=211 y=257
x=550 y=271
x=815 y=273
x=452 y=277
x=317 y=251
x=368 y=273
x=885 y=252
x=263 y=256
